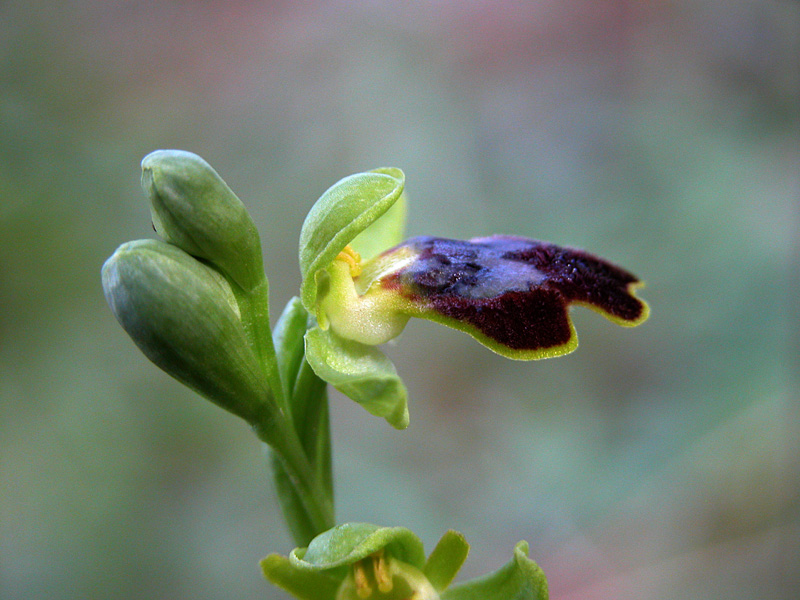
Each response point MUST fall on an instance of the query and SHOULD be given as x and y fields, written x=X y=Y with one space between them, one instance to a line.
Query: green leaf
x=182 y=315
x=301 y=583
x=446 y=559
x=520 y=579
x=310 y=410
x=345 y=210
x=194 y=209
x=346 y=544
x=363 y=373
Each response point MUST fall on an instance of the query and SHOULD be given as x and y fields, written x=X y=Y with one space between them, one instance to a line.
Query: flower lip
x=512 y=293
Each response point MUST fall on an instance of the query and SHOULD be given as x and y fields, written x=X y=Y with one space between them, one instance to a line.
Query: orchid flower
x=360 y=561
x=197 y=305
x=510 y=293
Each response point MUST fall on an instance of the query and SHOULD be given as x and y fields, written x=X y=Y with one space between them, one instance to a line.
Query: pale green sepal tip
x=183 y=317
x=194 y=209
x=343 y=211
x=519 y=579
x=362 y=373
x=348 y=543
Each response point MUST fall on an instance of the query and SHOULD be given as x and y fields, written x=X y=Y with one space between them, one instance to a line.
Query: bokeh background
x=659 y=462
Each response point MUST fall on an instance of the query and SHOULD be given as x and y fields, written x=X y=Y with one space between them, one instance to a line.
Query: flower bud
x=194 y=209
x=183 y=316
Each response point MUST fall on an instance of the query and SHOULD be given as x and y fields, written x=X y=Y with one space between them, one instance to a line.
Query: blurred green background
x=658 y=462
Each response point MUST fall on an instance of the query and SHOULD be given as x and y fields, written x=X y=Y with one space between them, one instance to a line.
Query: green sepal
x=287 y=336
x=302 y=584
x=183 y=317
x=446 y=559
x=361 y=372
x=344 y=545
x=194 y=209
x=346 y=209
x=520 y=579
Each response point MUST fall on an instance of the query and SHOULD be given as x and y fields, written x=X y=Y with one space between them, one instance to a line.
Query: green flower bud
x=194 y=209
x=183 y=316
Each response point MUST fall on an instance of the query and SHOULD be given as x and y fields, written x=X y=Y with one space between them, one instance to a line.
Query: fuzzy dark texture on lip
x=514 y=290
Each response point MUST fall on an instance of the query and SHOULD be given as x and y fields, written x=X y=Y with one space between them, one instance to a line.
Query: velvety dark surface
x=514 y=290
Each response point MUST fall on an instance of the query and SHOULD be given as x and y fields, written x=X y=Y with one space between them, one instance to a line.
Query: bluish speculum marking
x=467 y=270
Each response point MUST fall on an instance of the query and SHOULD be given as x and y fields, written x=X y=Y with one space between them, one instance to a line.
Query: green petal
x=182 y=315
x=346 y=544
x=387 y=231
x=446 y=559
x=346 y=209
x=301 y=583
x=361 y=372
x=520 y=579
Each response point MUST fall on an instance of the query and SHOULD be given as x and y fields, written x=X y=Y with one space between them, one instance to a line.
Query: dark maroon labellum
x=514 y=290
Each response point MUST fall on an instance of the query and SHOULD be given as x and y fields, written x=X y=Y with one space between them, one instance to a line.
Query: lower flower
x=359 y=561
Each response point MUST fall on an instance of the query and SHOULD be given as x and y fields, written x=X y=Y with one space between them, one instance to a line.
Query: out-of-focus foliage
x=663 y=136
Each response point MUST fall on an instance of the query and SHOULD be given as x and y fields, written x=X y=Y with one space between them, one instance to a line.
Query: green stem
x=310 y=403
x=254 y=308
x=281 y=436
x=297 y=431
x=294 y=511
